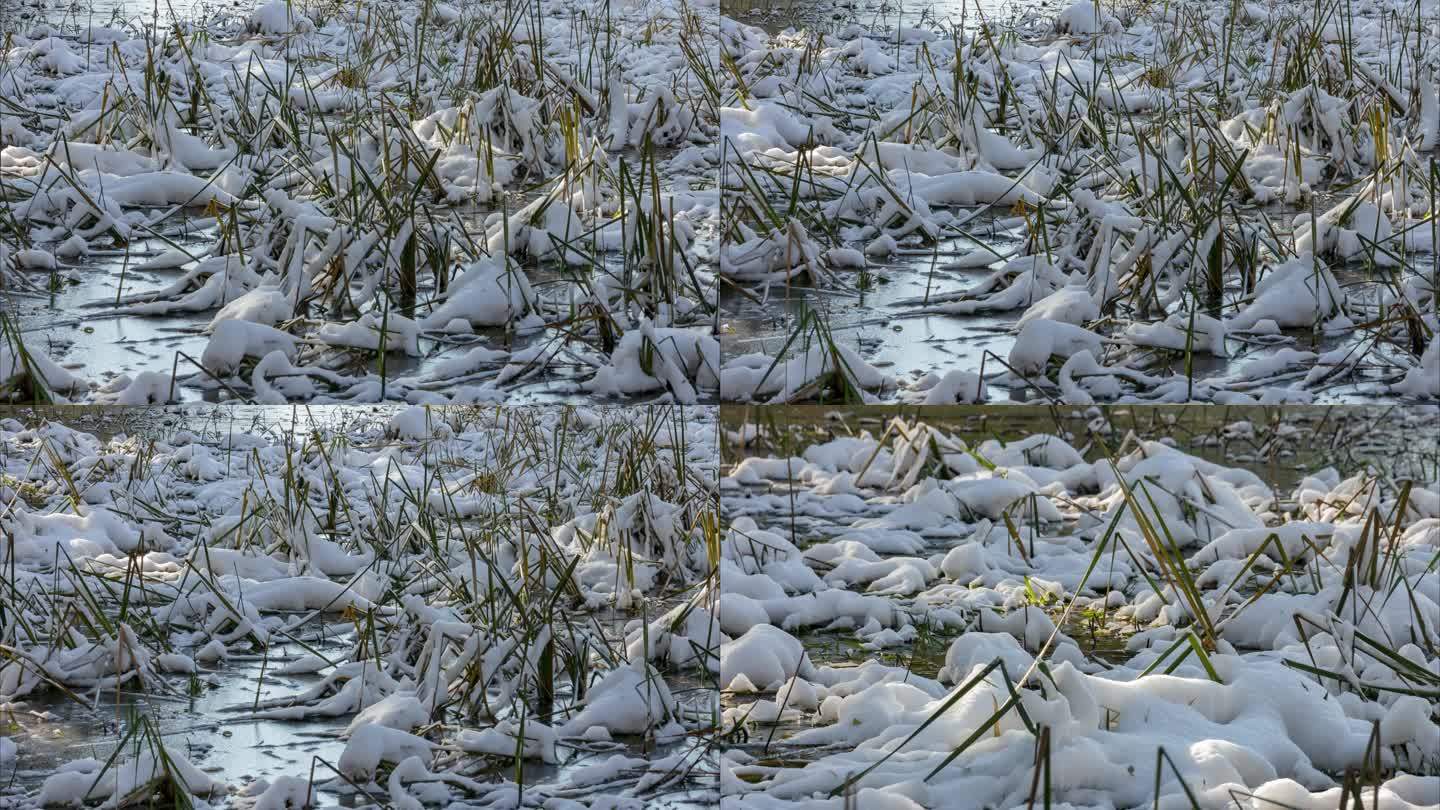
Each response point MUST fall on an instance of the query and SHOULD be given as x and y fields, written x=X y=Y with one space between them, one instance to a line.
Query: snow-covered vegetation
x=1149 y=611
x=1226 y=202
x=361 y=436
x=500 y=607
x=337 y=201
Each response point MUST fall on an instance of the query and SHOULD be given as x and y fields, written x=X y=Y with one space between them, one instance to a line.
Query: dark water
x=878 y=14
x=1286 y=444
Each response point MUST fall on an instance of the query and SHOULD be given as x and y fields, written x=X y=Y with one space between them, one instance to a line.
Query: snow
x=956 y=386
x=764 y=656
x=397 y=660
x=757 y=376
x=649 y=359
x=373 y=744
x=628 y=700
x=506 y=215
x=284 y=793
x=1085 y=17
x=128 y=778
x=504 y=740
x=485 y=294
x=234 y=340
x=970 y=197
x=1299 y=293
x=1006 y=551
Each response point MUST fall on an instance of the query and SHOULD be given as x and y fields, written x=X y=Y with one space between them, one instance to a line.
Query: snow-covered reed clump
x=464 y=604
x=416 y=201
x=916 y=615
x=1219 y=202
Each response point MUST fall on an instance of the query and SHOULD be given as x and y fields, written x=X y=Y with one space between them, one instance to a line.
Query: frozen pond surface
x=206 y=728
x=875 y=571
x=263 y=591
